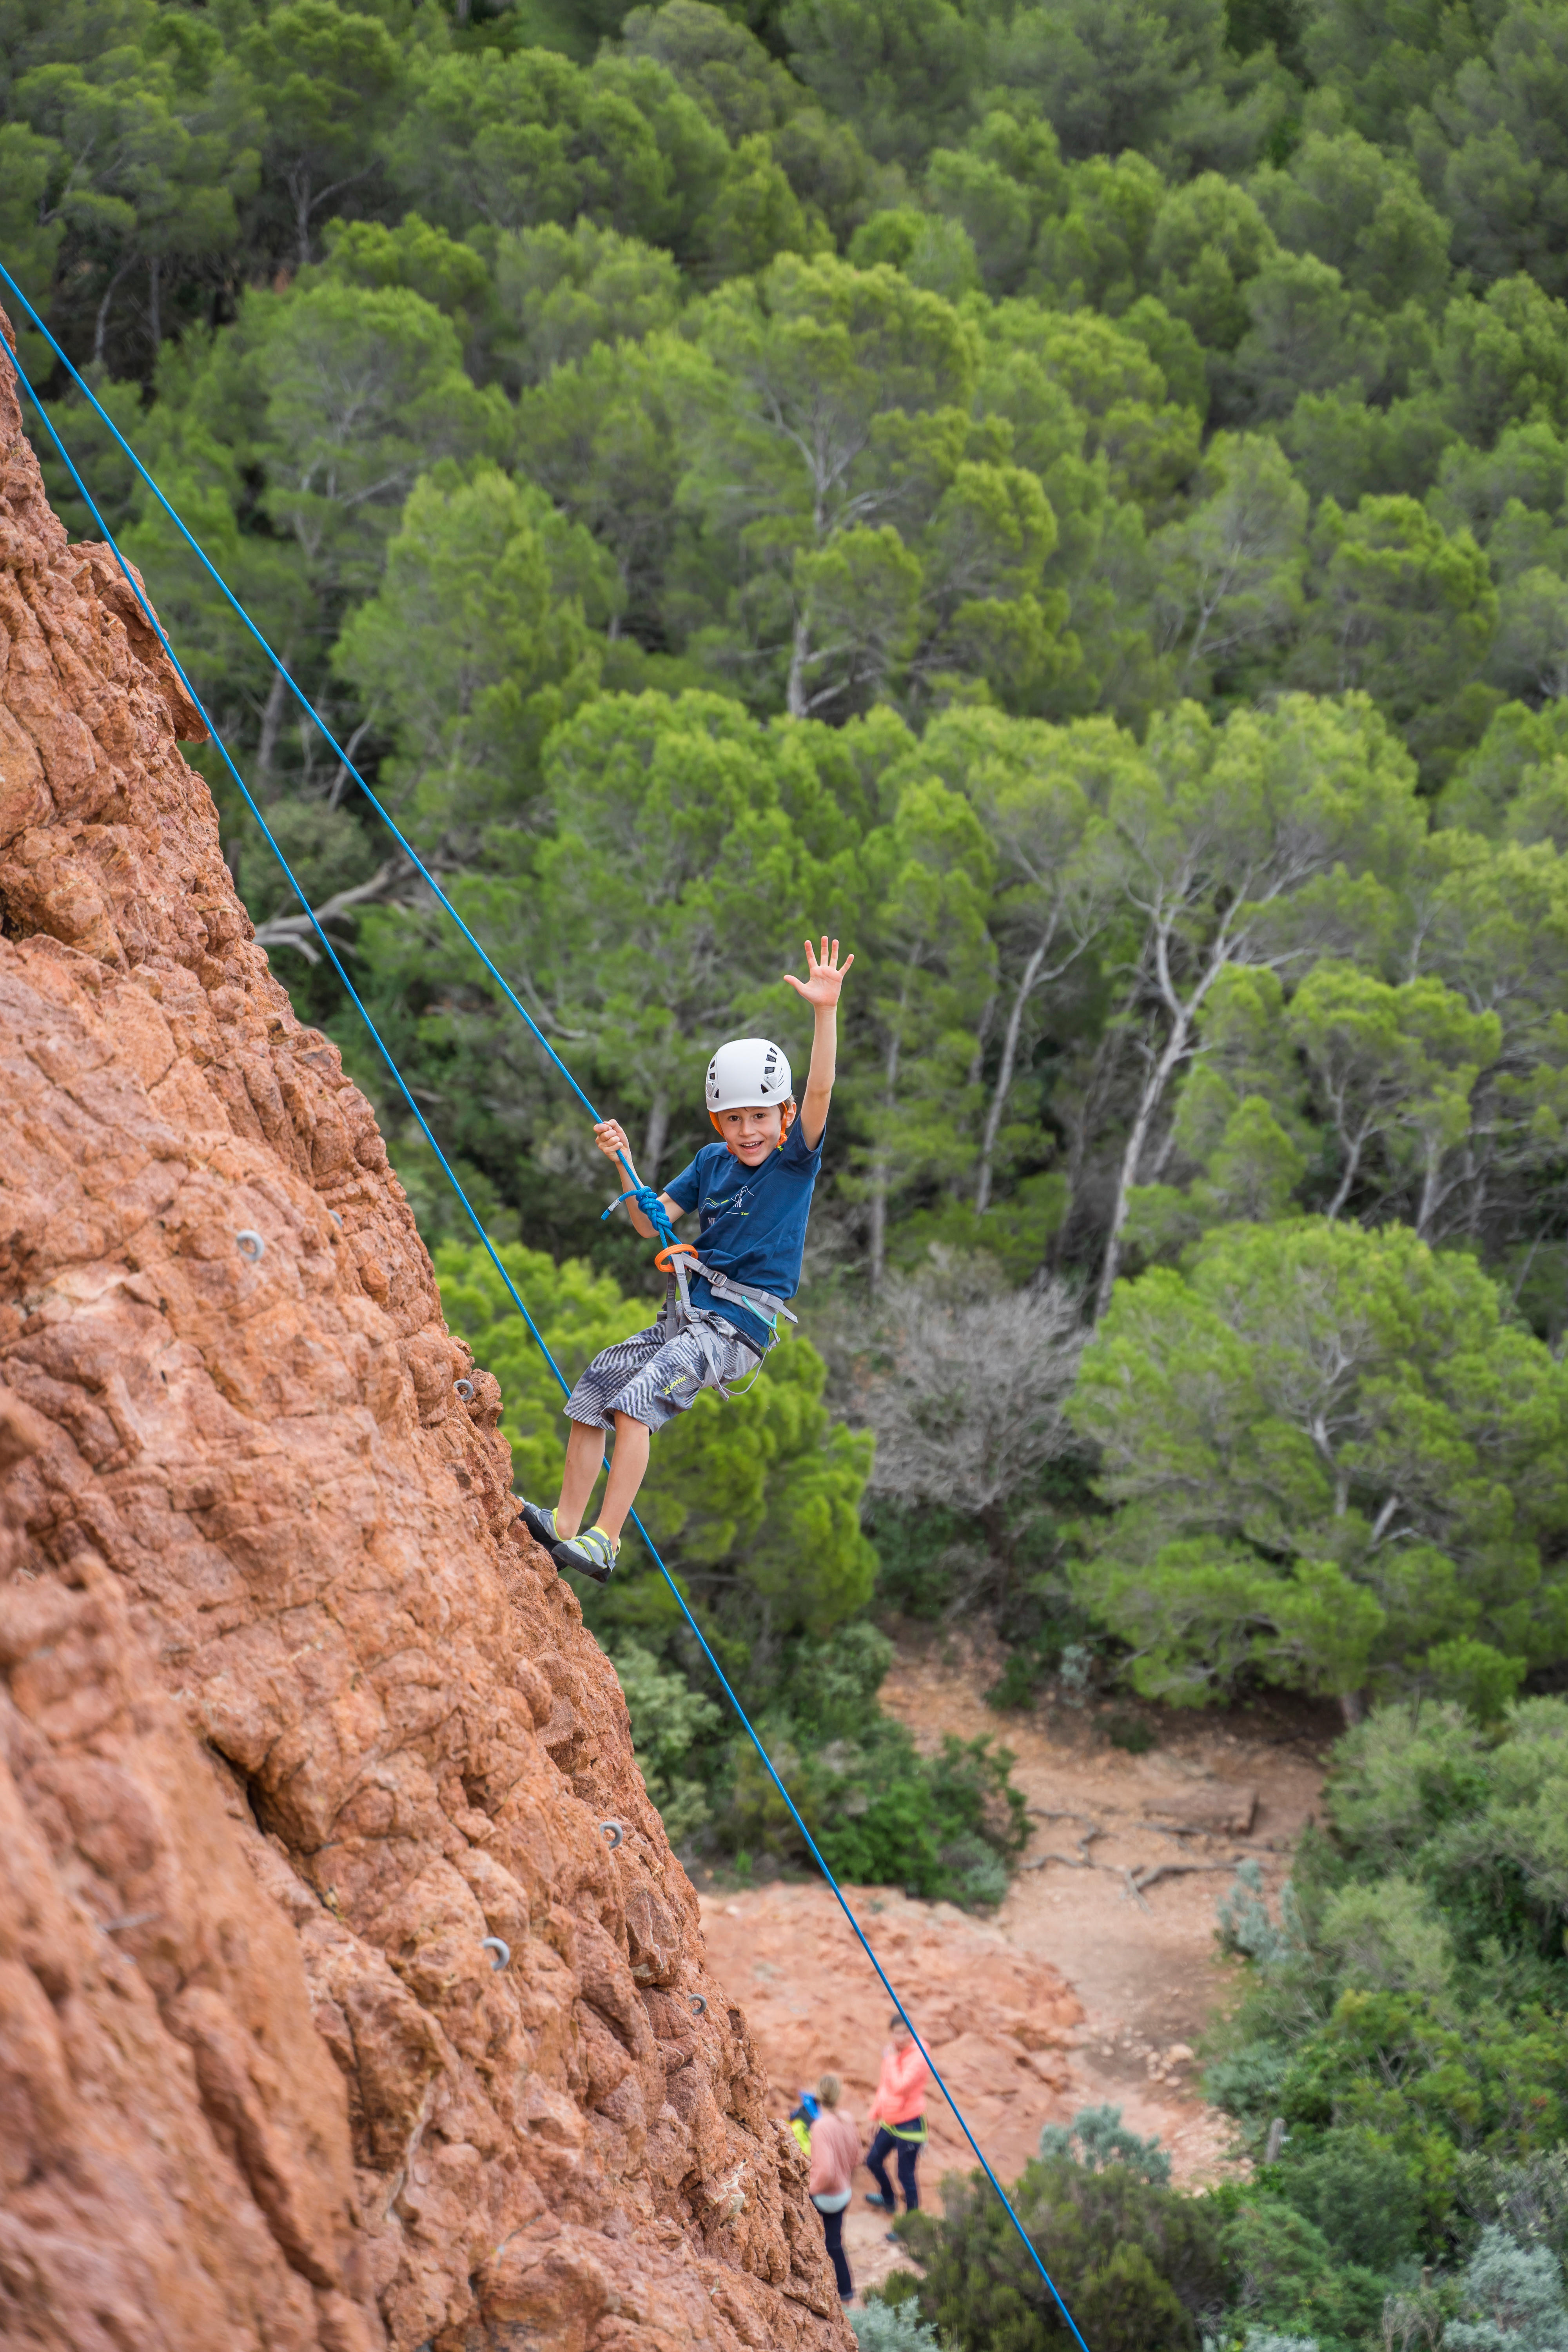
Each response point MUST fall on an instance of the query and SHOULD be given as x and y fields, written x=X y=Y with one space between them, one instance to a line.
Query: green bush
x=1133 y=1734
x=1141 y=2268
x=1407 y=2017
x=891 y=2327
x=1286 y=2277
x=1510 y=2300
x=942 y=1826
x=1360 y=2194
x=1098 y=2137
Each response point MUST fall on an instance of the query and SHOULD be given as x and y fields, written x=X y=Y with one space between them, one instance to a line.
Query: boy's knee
x=630 y=1421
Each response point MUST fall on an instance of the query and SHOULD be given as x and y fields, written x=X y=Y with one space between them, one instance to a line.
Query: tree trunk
x=345 y=768
x=1148 y=1101
x=154 y=313
x=655 y=1138
x=879 y=1170
x=879 y=1226
x=1352 y=1169
x=794 y=693
x=100 y=328
x=1004 y=1076
x=272 y=720
x=1353 y=1708
x=1431 y=1198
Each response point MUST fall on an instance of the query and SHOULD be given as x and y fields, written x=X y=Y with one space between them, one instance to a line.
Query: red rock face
x=291 y=1720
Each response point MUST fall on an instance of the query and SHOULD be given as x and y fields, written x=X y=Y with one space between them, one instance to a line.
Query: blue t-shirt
x=750 y=1221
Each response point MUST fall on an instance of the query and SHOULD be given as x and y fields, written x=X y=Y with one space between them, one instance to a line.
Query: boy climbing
x=752 y=1191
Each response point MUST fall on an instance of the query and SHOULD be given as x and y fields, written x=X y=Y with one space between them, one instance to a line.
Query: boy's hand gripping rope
x=385 y=1051
x=673 y=1253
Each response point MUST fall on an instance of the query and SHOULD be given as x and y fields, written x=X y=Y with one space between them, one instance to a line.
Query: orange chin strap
x=785 y=1123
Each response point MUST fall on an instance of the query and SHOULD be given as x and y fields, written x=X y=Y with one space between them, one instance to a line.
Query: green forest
x=1072 y=499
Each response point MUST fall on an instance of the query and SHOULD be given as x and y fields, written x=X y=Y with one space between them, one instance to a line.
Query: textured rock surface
x=291 y=1720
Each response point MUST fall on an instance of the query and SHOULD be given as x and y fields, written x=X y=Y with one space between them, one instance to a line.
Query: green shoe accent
x=592 y=1553
x=541 y=1525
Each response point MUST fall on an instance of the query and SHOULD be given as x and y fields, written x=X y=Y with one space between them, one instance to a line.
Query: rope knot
x=644 y=1197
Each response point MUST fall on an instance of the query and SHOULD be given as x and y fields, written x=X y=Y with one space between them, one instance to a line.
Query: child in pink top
x=899 y=2112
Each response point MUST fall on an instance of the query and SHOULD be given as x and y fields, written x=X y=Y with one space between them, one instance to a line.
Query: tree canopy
x=1074 y=501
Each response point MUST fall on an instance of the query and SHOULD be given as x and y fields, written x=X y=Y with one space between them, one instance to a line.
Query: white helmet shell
x=748 y=1073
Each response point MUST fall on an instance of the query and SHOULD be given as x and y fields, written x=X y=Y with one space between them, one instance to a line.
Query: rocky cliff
x=291 y=1720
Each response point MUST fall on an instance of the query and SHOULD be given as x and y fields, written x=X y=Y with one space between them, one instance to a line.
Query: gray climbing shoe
x=541 y=1525
x=592 y=1553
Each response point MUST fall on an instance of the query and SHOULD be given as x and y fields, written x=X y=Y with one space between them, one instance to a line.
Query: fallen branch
x=1084 y=1860
x=1147 y=1878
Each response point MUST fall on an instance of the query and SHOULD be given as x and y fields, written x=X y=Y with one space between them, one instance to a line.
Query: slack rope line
x=385 y=1053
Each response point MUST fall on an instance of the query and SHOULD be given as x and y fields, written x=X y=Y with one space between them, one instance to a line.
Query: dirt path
x=1094 y=1979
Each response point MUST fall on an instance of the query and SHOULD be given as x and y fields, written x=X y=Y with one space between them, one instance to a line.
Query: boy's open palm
x=824 y=976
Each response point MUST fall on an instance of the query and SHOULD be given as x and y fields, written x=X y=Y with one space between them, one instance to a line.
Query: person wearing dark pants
x=835 y=2153
x=906 y=2150
x=833 y=2230
x=898 y=2113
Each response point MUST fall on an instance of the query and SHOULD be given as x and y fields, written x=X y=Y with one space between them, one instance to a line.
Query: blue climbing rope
x=637 y=1195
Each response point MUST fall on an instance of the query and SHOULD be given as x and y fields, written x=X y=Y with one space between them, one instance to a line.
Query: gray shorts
x=653 y=1377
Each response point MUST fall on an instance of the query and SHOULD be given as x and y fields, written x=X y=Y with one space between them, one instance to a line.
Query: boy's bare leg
x=628 y=1467
x=584 y=1459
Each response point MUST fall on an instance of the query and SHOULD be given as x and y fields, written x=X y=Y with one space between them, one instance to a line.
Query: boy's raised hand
x=824 y=975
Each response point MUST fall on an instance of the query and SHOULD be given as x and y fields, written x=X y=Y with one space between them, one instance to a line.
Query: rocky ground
x=1096 y=1978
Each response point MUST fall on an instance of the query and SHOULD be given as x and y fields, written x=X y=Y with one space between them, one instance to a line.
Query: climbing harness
x=680 y=1264
x=472 y=1215
x=913 y=2133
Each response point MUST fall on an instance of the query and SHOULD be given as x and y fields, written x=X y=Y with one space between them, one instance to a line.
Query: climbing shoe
x=592 y=1553
x=541 y=1525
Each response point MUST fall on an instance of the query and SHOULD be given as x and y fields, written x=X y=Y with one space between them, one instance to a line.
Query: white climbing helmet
x=748 y=1073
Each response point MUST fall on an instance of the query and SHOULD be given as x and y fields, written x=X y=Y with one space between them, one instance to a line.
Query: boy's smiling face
x=751 y=1134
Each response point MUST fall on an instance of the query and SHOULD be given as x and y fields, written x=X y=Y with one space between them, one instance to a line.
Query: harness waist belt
x=741 y=1294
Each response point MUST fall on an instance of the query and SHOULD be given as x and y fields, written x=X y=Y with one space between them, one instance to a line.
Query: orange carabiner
x=661 y=1258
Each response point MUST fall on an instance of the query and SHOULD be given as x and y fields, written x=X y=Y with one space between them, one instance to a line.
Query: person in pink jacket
x=835 y=2153
x=898 y=2113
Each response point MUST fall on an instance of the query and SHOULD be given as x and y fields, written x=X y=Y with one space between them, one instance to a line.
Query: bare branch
x=299 y=931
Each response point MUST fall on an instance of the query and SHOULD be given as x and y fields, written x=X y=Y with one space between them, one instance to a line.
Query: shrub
x=1096 y=2137
x=669 y=1718
x=892 y=2328
x=1361 y=2194
x=1131 y=1734
x=1141 y=2268
x=1511 y=2300
x=1286 y=2277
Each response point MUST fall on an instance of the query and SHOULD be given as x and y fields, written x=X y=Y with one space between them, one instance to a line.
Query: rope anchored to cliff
x=332 y=957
